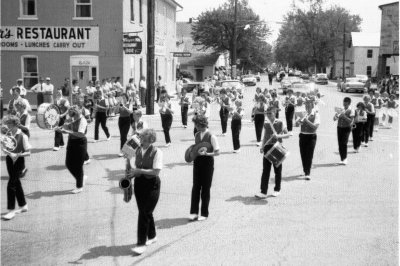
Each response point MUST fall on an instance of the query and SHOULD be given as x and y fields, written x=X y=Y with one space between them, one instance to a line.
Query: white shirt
x=214 y=141
x=22 y=90
x=142 y=84
x=37 y=88
x=158 y=158
x=48 y=88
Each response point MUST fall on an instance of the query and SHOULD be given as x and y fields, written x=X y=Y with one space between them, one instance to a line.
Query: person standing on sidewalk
x=15 y=161
x=21 y=88
x=345 y=120
x=274 y=131
x=158 y=88
x=203 y=170
x=48 y=90
x=166 y=115
x=142 y=91
x=38 y=89
x=184 y=103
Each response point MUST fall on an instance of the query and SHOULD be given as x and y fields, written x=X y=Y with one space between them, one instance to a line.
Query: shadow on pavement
x=40 y=150
x=106 y=156
x=249 y=145
x=321 y=165
x=42 y=194
x=187 y=140
x=172 y=165
x=291 y=178
x=104 y=251
x=56 y=167
x=248 y=200
x=170 y=223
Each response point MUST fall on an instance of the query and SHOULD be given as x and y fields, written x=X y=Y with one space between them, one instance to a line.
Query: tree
x=311 y=37
x=214 y=29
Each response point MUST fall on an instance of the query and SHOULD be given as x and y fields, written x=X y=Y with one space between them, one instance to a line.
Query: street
x=345 y=215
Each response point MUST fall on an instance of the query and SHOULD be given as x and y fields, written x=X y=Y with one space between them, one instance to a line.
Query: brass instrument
x=125 y=183
x=8 y=142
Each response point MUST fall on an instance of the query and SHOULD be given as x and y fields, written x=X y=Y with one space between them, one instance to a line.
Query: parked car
x=288 y=82
x=305 y=76
x=229 y=84
x=362 y=78
x=249 y=80
x=321 y=78
x=352 y=84
x=189 y=84
x=302 y=87
x=258 y=77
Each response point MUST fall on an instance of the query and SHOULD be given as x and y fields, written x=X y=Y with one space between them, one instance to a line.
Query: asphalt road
x=346 y=215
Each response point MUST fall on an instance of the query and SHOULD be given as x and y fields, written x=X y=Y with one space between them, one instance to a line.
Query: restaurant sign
x=49 y=38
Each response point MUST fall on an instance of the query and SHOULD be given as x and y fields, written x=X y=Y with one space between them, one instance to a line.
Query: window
x=387 y=70
x=132 y=10
x=28 y=8
x=30 y=71
x=369 y=70
x=369 y=53
x=83 y=8
x=140 y=12
x=94 y=74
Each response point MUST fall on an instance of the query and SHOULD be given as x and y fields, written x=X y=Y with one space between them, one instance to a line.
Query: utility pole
x=234 y=44
x=344 y=50
x=150 y=91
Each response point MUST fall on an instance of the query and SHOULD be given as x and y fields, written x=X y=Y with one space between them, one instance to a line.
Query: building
x=364 y=52
x=83 y=40
x=201 y=63
x=388 y=62
x=336 y=68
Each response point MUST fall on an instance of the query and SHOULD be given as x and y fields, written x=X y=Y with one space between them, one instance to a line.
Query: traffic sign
x=182 y=54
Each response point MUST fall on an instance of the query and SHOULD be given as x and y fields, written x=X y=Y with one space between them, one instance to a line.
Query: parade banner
x=49 y=38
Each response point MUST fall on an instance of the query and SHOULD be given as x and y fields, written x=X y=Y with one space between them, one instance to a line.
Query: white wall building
x=364 y=53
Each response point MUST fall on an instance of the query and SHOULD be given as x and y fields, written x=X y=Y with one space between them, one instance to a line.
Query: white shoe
x=344 y=162
x=109 y=138
x=185 y=126
x=139 y=250
x=258 y=144
x=365 y=144
x=151 y=241
x=62 y=146
x=356 y=151
x=276 y=194
x=56 y=148
x=193 y=217
x=120 y=154
x=9 y=215
x=307 y=177
x=261 y=195
x=290 y=133
x=77 y=190
x=236 y=151
x=371 y=139
x=22 y=209
x=362 y=143
x=87 y=161
x=202 y=218
x=168 y=144
x=94 y=141
x=223 y=134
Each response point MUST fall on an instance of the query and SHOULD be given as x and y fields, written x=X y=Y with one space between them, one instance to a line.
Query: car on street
x=249 y=80
x=189 y=84
x=288 y=82
x=362 y=78
x=302 y=87
x=321 y=78
x=305 y=76
x=258 y=77
x=352 y=84
x=230 y=84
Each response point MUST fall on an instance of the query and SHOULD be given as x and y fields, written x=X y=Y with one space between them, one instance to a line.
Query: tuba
x=126 y=184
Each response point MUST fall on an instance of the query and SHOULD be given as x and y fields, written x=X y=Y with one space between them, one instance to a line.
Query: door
x=199 y=74
x=81 y=74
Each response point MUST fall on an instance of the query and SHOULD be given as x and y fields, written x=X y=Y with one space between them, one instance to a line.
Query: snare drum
x=48 y=116
x=130 y=146
x=277 y=154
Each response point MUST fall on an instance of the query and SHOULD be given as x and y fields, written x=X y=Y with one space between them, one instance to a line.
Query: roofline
x=388 y=4
x=175 y=3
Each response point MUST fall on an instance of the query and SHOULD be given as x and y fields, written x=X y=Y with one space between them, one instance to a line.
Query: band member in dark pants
x=148 y=164
x=24 y=125
x=166 y=115
x=274 y=131
x=345 y=120
x=236 y=125
x=15 y=165
x=290 y=102
x=225 y=103
x=360 y=119
x=101 y=118
x=124 y=120
x=259 y=117
x=203 y=170
x=369 y=125
x=63 y=105
x=75 y=125
x=308 y=136
x=184 y=103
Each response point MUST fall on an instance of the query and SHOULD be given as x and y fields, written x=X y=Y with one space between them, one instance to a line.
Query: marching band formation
x=102 y=101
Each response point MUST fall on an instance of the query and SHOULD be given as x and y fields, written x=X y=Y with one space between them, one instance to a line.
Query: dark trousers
x=101 y=118
x=343 y=134
x=289 y=112
x=236 y=126
x=76 y=153
x=259 y=124
x=166 y=122
x=270 y=80
x=14 y=186
x=195 y=131
x=224 y=115
x=1 y=109
x=58 y=136
x=370 y=127
x=203 y=170
x=158 y=91
x=266 y=173
x=124 y=124
x=184 y=113
x=142 y=95
x=307 y=144
x=147 y=193
x=358 y=135
x=39 y=98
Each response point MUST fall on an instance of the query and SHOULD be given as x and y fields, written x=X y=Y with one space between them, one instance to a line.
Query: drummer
x=271 y=136
x=203 y=169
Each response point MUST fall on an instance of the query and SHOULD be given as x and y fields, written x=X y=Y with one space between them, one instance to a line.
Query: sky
x=273 y=11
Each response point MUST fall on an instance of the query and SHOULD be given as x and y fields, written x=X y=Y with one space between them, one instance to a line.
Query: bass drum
x=48 y=116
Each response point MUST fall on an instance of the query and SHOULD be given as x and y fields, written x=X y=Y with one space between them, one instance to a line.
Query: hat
x=19 y=80
x=47 y=78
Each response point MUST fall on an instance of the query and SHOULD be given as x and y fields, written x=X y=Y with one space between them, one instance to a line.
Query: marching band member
x=86 y=114
x=124 y=120
x=369 y=125
x=274 y=131
x=147 y=184
x=275 y=103
x=257 y=95
x=290 y=102
x=63 y=105
x=16 y=96
x=200 y=107
x=225 y=103
x=75 y=125
x=308 y=136
x=137 y=123
x=15 y=161
x=236 y=125
x=392 y=112
x=377 y=102
x=203 y=170
x=259 y=117
x=360 y=118
x=166 y=115
x=101 y=117
x=184 y=103
x=345 y=119
x=385 y=99
x=24 y=125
